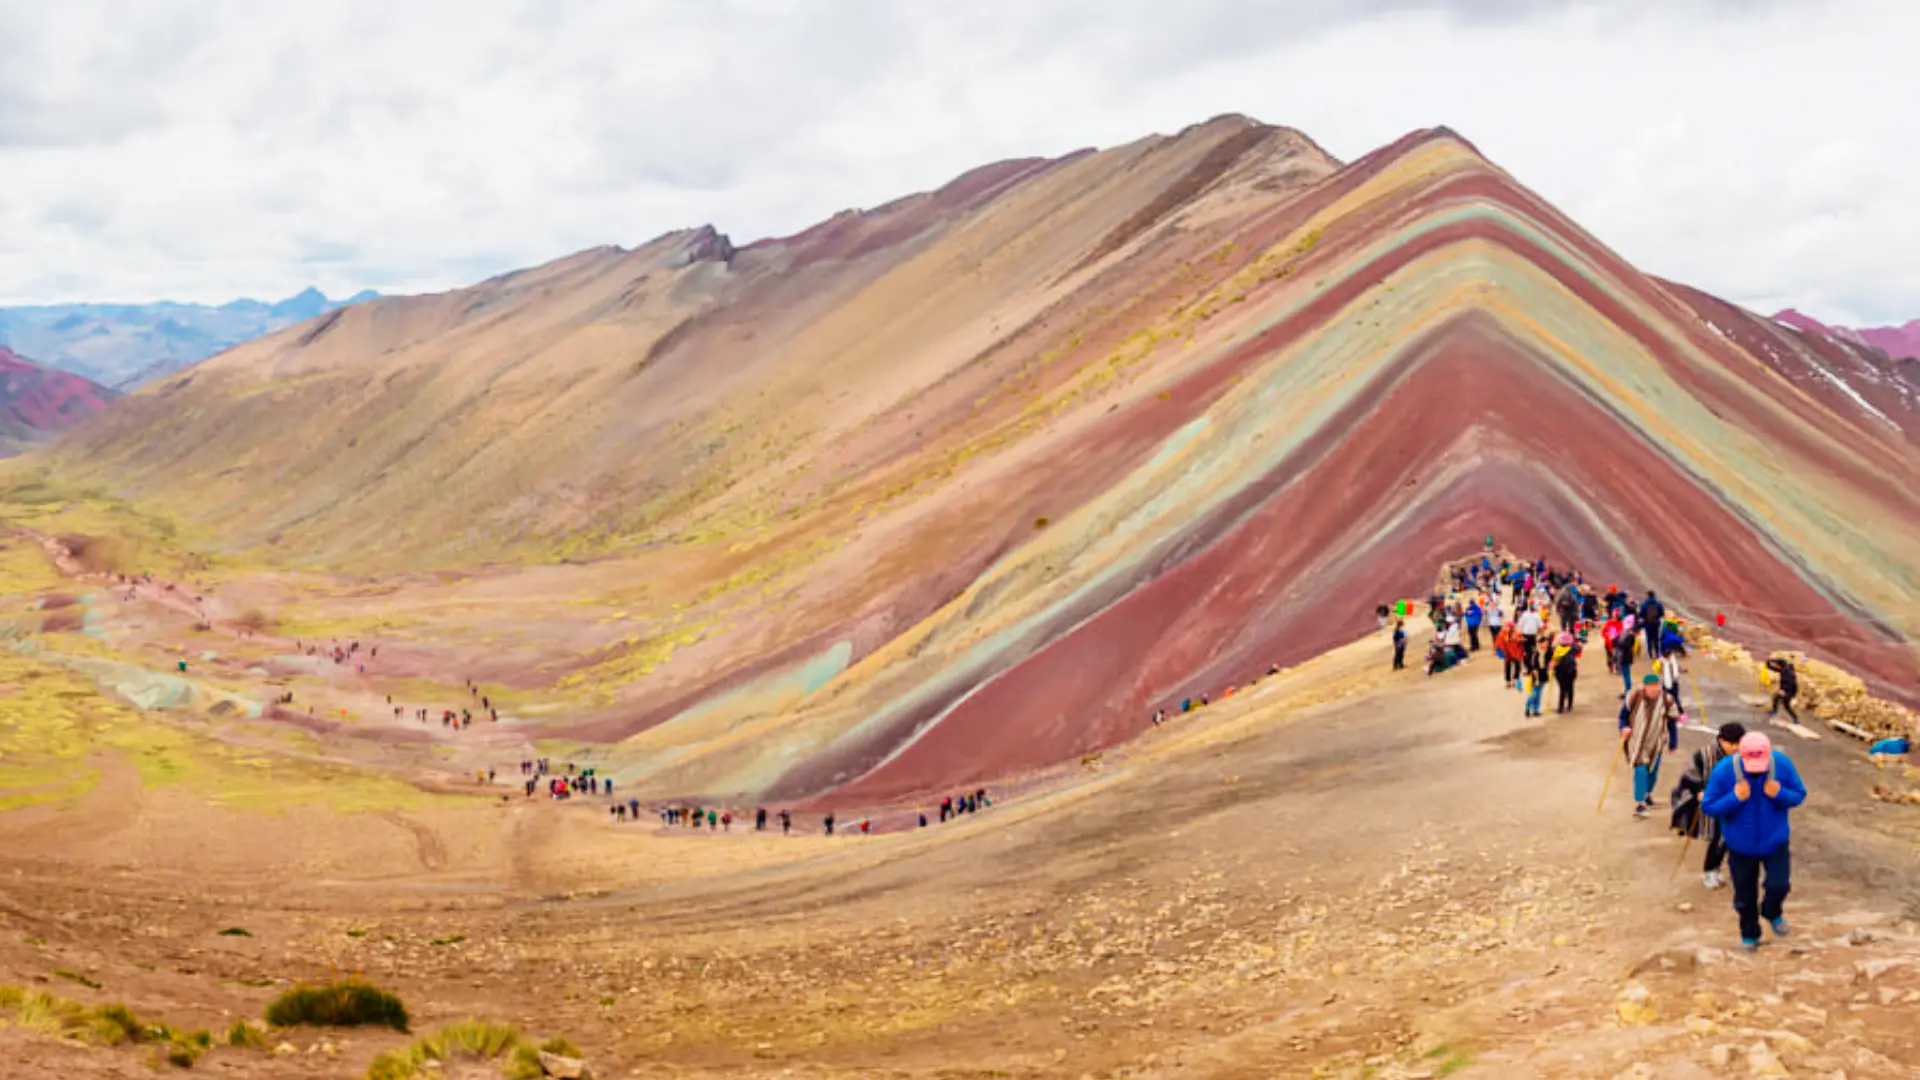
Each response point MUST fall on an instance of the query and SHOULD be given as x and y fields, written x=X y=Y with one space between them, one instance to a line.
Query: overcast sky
x=1766 y=150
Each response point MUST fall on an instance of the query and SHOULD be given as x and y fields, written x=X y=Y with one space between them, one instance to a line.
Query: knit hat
x=1564 y=638
x=1756 y=751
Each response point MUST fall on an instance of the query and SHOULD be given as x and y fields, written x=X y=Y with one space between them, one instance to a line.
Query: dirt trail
x=1338 y=872
x=1341 y=872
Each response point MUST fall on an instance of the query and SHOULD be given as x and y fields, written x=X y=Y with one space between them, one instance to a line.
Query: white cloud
x=1762 y=149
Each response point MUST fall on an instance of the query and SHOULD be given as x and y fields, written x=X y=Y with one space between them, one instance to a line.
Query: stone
x=1721 y=1056
x=1869 y=970
x=1700 y=1025
x=1762 y=1061
x=285 y=1049
x=564 y=1068
x=1635 y=1007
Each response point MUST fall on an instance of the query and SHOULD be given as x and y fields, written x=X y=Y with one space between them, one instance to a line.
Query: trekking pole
x=1699 y=822
x=1609 y=781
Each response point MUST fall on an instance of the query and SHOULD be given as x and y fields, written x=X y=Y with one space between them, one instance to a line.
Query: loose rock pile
x=1825 y=691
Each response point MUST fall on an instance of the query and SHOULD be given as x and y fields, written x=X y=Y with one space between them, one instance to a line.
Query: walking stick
x=1609 y=782
x=1698 y=700
x=1699 y=823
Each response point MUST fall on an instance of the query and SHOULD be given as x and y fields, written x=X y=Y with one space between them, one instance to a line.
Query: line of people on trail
x=1737 y=791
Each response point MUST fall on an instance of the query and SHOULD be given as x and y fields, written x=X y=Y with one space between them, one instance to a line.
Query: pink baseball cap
x=1564 y=639
x=1756 y=751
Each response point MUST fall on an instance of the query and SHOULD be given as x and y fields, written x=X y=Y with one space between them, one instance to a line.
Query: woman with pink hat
x=1751 y=793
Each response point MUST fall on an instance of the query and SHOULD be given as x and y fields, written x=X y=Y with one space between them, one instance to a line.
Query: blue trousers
x=1626 y=678
x=1644 y=777
x=1747 y=897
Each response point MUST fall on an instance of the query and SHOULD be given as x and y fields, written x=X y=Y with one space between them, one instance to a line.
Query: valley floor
x=1340 y=872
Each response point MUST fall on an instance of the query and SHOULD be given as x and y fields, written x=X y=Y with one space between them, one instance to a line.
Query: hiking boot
x=1780 y=928
x=1712 y=879
x=1750 y=944
x=1639 y=811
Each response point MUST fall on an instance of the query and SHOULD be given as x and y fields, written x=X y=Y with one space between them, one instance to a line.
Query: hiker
x=1506 y=645
x=786 y=823
x=1672 y=641
x=1754 y=822
x=713 y=819
x=760 y=819
x=1567 y=604
x=1566 y=667
x=1624 y=648
x=1399 y=646
x=1646 y=734
x=1473 y=619
x=828 y=822
x=726 y=821
x=923 y=819
x=865 y=826
x=1652 y=612
x=1687 y=819
x=1534 y=681
x=1530 y=625
x=946 y=808
x=1786 y=685
x=1609 y=634
x=1669 y=668
x=633 y=807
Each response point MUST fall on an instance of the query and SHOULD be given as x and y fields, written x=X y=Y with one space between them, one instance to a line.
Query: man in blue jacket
x=1751 y=793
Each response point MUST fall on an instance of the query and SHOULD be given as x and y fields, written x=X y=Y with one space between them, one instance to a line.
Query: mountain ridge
x=37 y=403
x=969 y=485
x=125 y=345
x=1899 y=342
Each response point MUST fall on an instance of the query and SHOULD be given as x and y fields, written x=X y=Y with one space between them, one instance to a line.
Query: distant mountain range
x=37 y=403
x=124 y=345
x=1898 y=342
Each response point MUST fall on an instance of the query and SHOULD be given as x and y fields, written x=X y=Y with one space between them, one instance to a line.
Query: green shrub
x=74 y=976
x=236 y=931
x=347 y=1004
x=115 y=1025
x=246 y=1036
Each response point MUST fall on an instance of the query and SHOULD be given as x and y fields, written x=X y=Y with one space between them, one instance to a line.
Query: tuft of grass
x=526 y=1058
x=107 y=1025
x=236 y=931
x=115 y=1024
x=246 y=1036
x=475 y=1040
x=74 y=976
x=346 y=1004
x=1454 y=1064
x=454 y=940
x=356 y=933
x=44 y=1014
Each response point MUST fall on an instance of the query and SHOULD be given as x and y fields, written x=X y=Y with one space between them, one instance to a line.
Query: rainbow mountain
x=972 y=483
